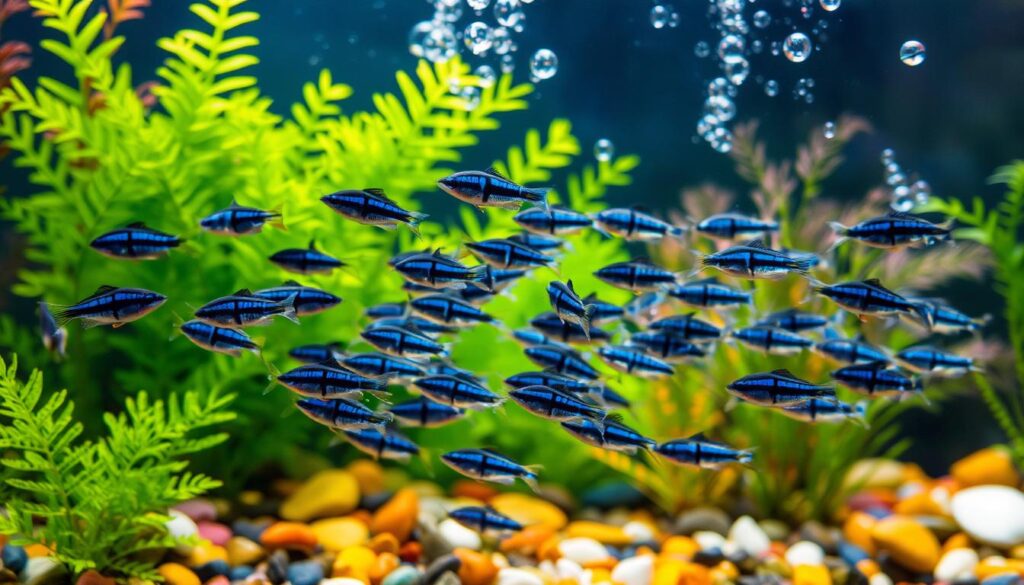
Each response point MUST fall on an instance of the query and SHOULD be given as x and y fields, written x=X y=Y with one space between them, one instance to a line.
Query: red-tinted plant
x=119 y=11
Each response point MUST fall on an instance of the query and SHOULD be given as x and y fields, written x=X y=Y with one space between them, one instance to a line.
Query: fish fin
x=277 y=219
x=272 y=374
x=377 y=192
x=495 y=173
x=755 y=243
x=901 y=214
x=477 y=276
x=923 y=314
x=784 y=372
x=838 y=228
x=242 y=292
x=312 y=244
x=100 y=290
x=539 y=195
x=731 y=405
x=415 y=218
x=289 y=309
x=745 y=457
x=139 y=225
x=291 y=283
x=532 y=483
x=597 y=226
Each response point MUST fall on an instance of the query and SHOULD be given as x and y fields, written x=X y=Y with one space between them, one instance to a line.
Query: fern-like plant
x=102 y=503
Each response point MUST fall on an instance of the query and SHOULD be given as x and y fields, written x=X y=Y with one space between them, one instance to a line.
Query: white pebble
x=181 y=527
x=566 y=569
x=634 y=571
x=708 y=540
x=582 y=550
x=957 y=564
x=805 y=552
x=518 y=577
x=991 y=514
x=747 y=535
x=638 y=531
x=458 y=535
x=879 y=579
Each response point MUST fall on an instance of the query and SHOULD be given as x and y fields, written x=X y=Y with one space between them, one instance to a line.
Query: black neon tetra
x=666 y=345
x=317 y=353
x=457 y=392
x=424 y=412
x=554 y=221
x=639 y=276
x=109 y=305
x=945 y=319
x=870 y=298
x=778 y=388
x=794 y=320
x=697 y=451
x=611 y=435
x=506 y=254
x=219 y=339
x=688 y=327
x=633 y=361
x=551 y=380
x=635 y=225
x=878 y=379
x=537 y=242
x=374 y=364
x=709 y=294
x=238 y=220
x=329 y=380
x=448 y=310
x=753 y=260
x=55 y=337
x=486 y=465
x=136 y=241
x=490 y=189
x=729 y=226
x=243 y=308
x=773 y=340
x=849 y=351
x=382 y=443
x=893 y=230
x=435 y=270
x=568 y=305
x=306 y=260
x=563 y=331
x=401 y=342
x=307 y=300
x=372 y=207
x=484 y=520
x=554 y=404
x=343 y=414
x=930 y=360
x=562 y=360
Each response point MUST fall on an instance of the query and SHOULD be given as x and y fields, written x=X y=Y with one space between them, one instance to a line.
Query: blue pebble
x=212 y=569
x=15 y=558
x=305 y=573
x=851 y=553
x=240 y=572
x=879 y=512
x=403 y=575
x=1003 y=579
x=251 y=530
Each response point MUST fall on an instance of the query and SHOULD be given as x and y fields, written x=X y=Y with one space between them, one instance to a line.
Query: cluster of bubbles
x=443 y=36
x=907 y=191
x=745 y=30
x=664 y=15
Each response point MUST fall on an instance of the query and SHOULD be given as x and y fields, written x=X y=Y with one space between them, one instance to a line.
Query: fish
x=343 y=414
x=553 y=404
x=813 y=260
x=893 y=230
x=506 y=254
x=455 y=391
x=609 y=398
x=109 y=305
x=385 y=310
x=666 y=345
x=374 y=364
x=553 y=221
x=877 y=379
x=498 y=279
x=306 y=260
x=729 y=226
x=688 y=327
x=243 y=308
x=447 y=310
x=373 y=207
x=219 y=339
x=551 y=380
x=382 y=443
x=697 y=451
x=930 y=360
x=612 y=435
x=773 y=340
x=551 y=325
x=401 y=342
x=639 y=276
x=530 y=337
x=793 y=320
x=330 y=380
x=603 y=311
x=536 y=242
x=424 y=412
x=55 y=338
x=633 y=361
x=237 y=220
x=778 y=388
x=562 y=360
x=316 y=353
x=710 y=294
x=485 y=520
x=849 y=351
x=947 y=320
x=634 y=225
x=307 y=300
x=870 y=298
x=568 y=305
x=490 y=188
x=819 y=410
x=487 y=465
x=753 y=260
x=414 y=323
x=473 y=295
x=439 y=271
x=136 y=241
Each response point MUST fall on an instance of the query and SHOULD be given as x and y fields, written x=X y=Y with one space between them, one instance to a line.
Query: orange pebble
x=292 y=535
x=607 y=563
x=811 y=575
x=354 y=562
x=385 y=543
x=673 y=572
x=368 y=474
x=958 y=540
x=382 y=567
x=410 y=552
x=857 y=530
x=682 y=547
x=920 y=504
x=175 y=574
x=476 y=568
x=363 y=516
x=642 y=551
x=398 y=516
x=474 y=490
x=37 y=550
x=527 y=540
x=868 y=567
x=548 y=550
x=728 y=569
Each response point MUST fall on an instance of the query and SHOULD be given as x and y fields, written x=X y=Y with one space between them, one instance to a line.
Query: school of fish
x=446 y=296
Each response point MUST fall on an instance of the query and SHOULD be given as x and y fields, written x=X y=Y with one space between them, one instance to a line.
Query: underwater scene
x=511 y=292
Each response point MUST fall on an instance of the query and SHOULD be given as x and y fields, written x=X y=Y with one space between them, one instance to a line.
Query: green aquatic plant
x=799 y=470
x=101 y=504
x=103 y=148
x=999 y=228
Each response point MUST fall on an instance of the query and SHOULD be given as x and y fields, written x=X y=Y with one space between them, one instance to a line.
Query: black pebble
x=277 y=567
x=444 y=564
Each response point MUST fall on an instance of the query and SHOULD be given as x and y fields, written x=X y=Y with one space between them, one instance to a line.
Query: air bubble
x=830 y=130
x=701 y=49
x=486 y=74
x=508 y=12
x=762 y=19
x=501 y=40
x=604 y=150
x=660 y=16
x=477 y=37
x=797 y=47
x=478 y=4
x=730 y=48
x=830 y=5
x=544 y=64
x=912 y=53
x=771 y=88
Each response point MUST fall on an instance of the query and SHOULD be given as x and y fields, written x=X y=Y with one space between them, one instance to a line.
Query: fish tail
x=272 y=374
x=530 y=477
x=838 y=228
x=923 y=314
x=587 y=318
x=745 y=457
x=414 y=221
x=597 y=226
x=289 y=309
x=61 y=313
x=277 y=219
x=860 y=412
x=539 y=195
x=477 y=276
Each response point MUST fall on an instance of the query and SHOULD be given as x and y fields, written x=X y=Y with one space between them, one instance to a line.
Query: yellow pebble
x=600 y=575
x=811 y=575
x=682 y=547
x=205 y=552
x=175 y=574
x=336 y=534
x=958 y=540
x=992 y=466
x=355 y=562
x=910 y=544
x=603 y=533
x=369 y=475
x=528 y=510
x=857 y=530
x=868 y=567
